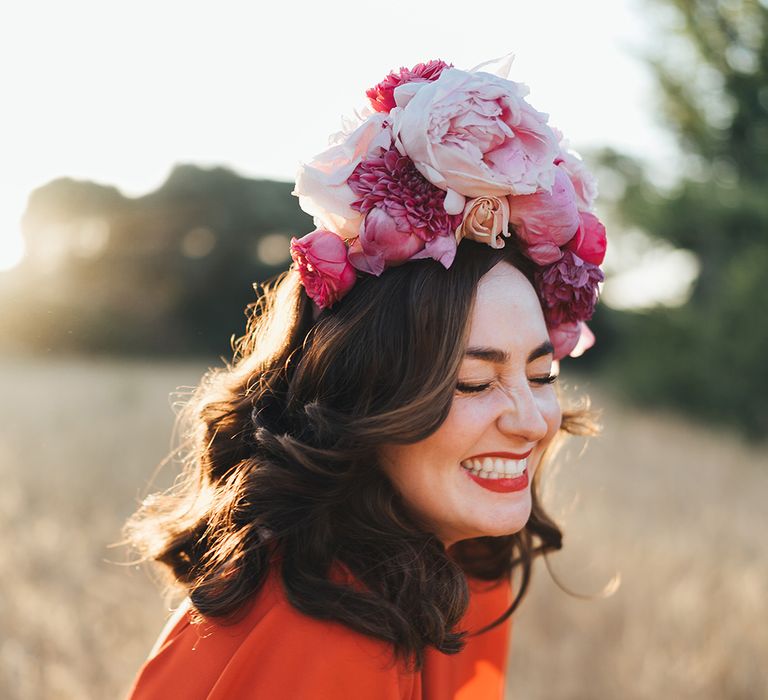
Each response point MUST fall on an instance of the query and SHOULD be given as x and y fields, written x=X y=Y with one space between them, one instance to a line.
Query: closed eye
x=472 y=388
x=465 y=388
x=549 y=379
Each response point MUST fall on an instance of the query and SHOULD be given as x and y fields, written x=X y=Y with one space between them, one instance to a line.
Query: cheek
x=553 y=415
x=465 y=423
x=468 y=419
x=475 y=411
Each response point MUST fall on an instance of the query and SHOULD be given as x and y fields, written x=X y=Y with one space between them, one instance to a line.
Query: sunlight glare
x=11 y=248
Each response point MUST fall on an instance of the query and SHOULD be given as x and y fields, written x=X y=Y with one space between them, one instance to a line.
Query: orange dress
x=276 y=652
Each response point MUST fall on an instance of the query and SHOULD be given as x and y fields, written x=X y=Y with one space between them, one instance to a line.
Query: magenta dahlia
x=381 y=96
x=392 y=183
x=568 y=289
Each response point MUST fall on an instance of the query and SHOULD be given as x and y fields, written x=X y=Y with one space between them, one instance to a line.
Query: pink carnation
x=321 y=259
x=568 y=289
x=392 y=183
x=382 y=95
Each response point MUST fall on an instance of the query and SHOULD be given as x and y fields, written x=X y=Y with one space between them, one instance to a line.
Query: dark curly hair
x=281 y=459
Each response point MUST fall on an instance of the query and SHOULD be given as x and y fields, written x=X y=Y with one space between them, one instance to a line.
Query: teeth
x=495 y=467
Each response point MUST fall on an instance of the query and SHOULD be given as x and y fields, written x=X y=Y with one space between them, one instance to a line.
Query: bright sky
x=118 y=92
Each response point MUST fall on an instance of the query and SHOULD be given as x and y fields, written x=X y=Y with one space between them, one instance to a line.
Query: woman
x=361 y=481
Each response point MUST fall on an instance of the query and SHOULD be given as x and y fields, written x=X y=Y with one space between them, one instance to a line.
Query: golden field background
x=679 y=511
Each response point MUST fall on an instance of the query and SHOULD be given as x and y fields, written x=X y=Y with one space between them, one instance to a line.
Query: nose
x=522 y=416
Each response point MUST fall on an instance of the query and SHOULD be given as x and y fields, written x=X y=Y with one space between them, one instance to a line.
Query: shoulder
x=273 y=619
x=273 y=651
x=479 y=669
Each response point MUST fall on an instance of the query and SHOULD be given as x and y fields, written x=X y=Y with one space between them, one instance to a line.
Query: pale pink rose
x=474 y=134
x=572 y=339
x=546 y=220
x=321 y=259
x=321 y=185
x=486 y=220
x=584 y=184
x=381 y=244
x=590 y=241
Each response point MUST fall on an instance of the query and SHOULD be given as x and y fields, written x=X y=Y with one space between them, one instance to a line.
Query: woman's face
x=472 y=477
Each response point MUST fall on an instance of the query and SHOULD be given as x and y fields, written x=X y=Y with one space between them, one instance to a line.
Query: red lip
x=503 y=455
x=519 y=483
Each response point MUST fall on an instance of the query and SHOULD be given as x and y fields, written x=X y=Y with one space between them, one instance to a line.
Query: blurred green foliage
x=706 y=356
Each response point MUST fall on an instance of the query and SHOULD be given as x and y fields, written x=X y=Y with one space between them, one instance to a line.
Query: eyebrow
x=500 y=356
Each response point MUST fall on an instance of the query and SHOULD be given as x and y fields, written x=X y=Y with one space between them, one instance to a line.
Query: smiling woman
x=362 y=481
x=503 y=417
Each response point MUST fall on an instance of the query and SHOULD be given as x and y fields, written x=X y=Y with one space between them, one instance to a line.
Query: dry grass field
x=678 y=511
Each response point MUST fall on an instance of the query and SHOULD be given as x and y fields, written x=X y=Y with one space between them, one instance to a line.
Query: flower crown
x=444 y=154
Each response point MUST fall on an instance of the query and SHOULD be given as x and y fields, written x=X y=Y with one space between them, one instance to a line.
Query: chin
x=509 y=525
x=496 y=531
x=504 y=532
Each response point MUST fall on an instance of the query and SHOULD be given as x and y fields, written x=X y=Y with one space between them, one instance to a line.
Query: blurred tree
x=707 y=356
x=169 y=272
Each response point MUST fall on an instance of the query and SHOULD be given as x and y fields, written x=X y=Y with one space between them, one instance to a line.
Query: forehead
x=507 y=312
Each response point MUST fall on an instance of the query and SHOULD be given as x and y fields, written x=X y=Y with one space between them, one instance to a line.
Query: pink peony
x=583 y=182
x=568 y=289
x=546 y=220
x=564 y=338
x=382 y=95
x=590 y=242
x=321 y=259
x=383 y=244
x=586 y=341
x=572 y=339
x=473 y=134
x=392 y=183
x=321 y=185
